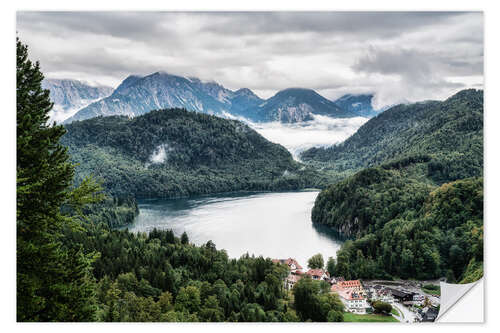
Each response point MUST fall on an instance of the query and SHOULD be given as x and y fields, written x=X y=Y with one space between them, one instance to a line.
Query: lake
x=275 y=225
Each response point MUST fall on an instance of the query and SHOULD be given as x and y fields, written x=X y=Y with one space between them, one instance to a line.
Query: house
x=353 y=301
x=291 y=280
x=295 y=271
x=381 y=295
x=354 y=285
x=318 y=274
x=290 y=262
x=401 y=296
x=429 y=314
x=418 y=299
x=351 y=284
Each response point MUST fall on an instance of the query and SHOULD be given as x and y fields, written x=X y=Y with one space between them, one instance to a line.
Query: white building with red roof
x=295 y=271
x=290 y=262
x=291 y=280
x=351 y=293
x=318 y=274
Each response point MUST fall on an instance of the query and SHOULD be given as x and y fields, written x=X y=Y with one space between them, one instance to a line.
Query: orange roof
x=350 y=283
x=347 y=294
x=316 y=272
x=289 y=262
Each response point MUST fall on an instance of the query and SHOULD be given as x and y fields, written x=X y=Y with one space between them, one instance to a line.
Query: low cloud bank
x=322 y=131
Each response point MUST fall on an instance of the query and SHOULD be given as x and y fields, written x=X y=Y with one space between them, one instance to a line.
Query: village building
x=291 y=263
x=295 y=272
x=429 y=314
x=353 y=301
x=401 y=296
x=380 y=294
x=353 y=285
x=318 y=274
x=291 y=280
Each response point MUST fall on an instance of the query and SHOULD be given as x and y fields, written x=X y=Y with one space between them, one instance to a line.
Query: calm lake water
x=275 y=225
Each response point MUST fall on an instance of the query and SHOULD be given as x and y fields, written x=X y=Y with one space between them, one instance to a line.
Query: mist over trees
x=406 y=189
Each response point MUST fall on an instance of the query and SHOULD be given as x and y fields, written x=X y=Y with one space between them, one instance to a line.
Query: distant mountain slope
x=448 y=134
x=244 y=103
x=70 y=95
x=138 y=95
x=361 y=105
x=171 y=153
x=298 y=104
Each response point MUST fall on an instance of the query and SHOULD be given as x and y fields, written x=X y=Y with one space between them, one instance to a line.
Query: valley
x=385 y=175
x=216 y=174
x=259 y=166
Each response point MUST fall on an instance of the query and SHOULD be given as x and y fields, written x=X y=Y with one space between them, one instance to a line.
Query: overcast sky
x=398 y=56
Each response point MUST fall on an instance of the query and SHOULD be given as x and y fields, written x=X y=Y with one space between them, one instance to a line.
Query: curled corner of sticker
x=462 y=303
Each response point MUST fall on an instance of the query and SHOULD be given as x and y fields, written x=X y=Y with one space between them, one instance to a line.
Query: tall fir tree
x=53 y=282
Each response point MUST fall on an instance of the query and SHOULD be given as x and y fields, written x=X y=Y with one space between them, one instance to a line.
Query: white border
x=7 y=132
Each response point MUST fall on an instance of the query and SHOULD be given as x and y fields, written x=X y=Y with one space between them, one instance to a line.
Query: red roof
x=316 y=272
x=350 y=284
x=289 y=262
x=346 y=293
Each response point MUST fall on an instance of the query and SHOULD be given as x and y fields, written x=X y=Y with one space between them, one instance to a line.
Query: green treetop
x=53 y=282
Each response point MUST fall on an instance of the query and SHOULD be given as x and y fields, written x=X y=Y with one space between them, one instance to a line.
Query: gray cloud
x=397 y=55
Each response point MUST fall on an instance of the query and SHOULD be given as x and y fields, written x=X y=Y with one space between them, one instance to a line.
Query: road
x=408 y=316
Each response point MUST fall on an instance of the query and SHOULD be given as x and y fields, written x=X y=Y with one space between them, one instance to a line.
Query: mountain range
x=69 y=96
x=137 y=95
x=360 y=104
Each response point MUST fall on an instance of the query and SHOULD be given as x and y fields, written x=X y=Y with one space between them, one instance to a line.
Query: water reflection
x=276 y=225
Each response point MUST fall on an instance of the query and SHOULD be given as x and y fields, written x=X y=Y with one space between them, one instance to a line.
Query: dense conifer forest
x=416 y=210
x=160 y=277
x=175 y=153
x=407 y=189
x=447 y=136
x=402 y=228
x=74 y=265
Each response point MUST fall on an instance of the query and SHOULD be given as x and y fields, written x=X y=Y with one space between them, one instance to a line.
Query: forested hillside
x=448 y=134
x=159 y=277
x=173 y=153
x=417 y=210
x=73 y=265
x=406 y=232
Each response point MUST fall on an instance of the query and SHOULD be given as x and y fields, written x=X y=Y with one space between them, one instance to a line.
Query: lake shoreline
x=272 y=224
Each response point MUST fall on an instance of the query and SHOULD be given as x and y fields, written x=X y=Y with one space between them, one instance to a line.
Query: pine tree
x=53 y=282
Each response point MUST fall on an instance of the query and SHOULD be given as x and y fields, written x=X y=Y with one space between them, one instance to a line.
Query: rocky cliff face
x=298 y=104
x=138 y=95
x=69 y=96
